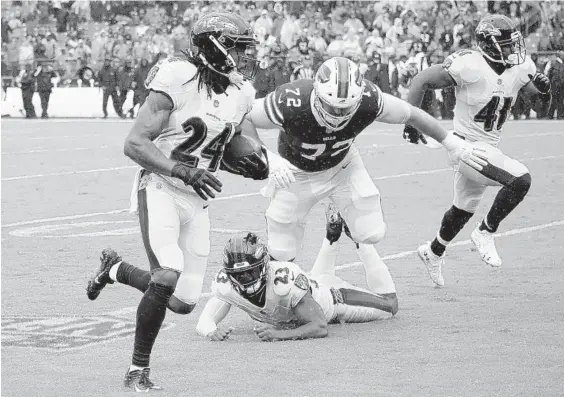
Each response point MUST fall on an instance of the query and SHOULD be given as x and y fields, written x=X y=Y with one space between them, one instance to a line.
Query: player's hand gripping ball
x=245 y=156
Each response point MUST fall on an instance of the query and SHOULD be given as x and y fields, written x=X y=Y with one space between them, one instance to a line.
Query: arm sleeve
x=214 y=312
x=394 y=110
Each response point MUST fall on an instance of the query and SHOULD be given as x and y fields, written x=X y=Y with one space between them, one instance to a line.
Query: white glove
x=280 y=171
x=460 y=150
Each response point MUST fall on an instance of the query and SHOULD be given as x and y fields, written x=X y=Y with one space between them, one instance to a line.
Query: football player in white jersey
x=290 y=303
x=178 y=139
x=487 y=82
x=318 y=122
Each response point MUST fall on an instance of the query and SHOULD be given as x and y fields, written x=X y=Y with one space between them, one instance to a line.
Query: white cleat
x=484 y=242
x=433 y=263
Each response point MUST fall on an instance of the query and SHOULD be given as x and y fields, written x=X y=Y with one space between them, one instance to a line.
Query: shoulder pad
x=221 y=284
x=464 y=66
x=372 y=94
x=286 y=276
x=169 y=75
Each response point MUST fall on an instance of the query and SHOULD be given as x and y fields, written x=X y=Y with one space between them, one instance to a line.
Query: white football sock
x=325 y=261
x=378 y=276
x=114 y=270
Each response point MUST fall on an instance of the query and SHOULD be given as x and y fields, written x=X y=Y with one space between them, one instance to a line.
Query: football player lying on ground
x=487 y=83
x=290 y=304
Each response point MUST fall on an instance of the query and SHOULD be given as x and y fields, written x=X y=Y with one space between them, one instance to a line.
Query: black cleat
x=102 y=277
x=138 y=381
x=334 y=225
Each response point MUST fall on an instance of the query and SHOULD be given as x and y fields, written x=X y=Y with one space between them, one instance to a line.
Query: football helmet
x=244 y=261
x=337 y=91
x=500 y=41
x=216 y=35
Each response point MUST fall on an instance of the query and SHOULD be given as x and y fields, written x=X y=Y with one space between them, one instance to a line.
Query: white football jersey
x=286 y=285
x=484 y=98
x=175 y=78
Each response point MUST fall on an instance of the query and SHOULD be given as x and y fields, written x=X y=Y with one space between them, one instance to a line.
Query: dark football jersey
x=302 y=141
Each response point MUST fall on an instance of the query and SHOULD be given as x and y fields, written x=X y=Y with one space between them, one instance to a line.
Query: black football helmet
x=500 y=41
x=216 y=34
x=244 y=261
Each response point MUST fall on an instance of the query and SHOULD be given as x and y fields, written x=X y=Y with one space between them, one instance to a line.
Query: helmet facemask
x=333 y=117
x=232 y=57
x=249 y=279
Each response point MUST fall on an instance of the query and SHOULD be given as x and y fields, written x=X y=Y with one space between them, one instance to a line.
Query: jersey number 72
x=199 y=131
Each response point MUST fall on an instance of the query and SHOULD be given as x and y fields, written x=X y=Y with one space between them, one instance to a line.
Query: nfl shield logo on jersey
x=216 y=103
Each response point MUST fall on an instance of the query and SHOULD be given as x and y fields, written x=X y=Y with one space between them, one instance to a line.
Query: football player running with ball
x=318 y=121
x=487 y=83
x=178 y=139
x=289 y=303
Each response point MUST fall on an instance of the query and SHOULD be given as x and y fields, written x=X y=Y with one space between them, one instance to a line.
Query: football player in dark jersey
x=318 y=121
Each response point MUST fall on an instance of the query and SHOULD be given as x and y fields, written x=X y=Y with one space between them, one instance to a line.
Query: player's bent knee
x=165 y=277
x=521 y=184
x=179 y=307
x=375 y=235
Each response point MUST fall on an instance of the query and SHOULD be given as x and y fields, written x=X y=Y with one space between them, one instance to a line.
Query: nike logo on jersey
x=346 y=165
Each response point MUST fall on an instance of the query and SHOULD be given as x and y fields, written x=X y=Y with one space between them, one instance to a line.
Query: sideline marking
x=394 y=176
x=132 y=309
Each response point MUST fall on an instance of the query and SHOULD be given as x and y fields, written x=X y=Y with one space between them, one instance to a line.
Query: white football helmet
x=337 y=90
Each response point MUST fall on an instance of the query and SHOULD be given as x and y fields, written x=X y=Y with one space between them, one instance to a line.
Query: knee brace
x=179 y=307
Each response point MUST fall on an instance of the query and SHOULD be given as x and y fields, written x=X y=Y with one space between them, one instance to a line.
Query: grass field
x=65 y=188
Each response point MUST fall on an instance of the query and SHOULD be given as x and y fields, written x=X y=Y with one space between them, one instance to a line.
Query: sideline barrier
x=64 y=102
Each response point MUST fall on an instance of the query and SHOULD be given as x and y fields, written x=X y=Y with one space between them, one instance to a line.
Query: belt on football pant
x=460 y=136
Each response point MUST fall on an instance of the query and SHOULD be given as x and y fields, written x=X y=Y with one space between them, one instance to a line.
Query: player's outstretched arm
x=309 y=314
x=214 y=312
x=139 y=146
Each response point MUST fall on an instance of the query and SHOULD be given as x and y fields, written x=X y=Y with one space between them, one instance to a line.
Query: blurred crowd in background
x=113 y=44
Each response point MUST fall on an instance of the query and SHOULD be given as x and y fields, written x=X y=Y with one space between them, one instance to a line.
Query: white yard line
x=76 y=149
x=242 y=195
x=128 y=310
x=15 y=178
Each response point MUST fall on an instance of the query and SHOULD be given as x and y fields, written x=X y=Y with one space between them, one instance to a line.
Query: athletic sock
x=150 y=316
x=132 y=276
x=378 y=277
x=453 y=222
x=325 y=261
x=506 y=200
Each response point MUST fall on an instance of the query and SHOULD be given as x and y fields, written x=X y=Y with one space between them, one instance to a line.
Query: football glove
x=460 y=150
x=252 y=166
x=541 y=82
x=202 y=181
x=411 y=135
x=280 y=171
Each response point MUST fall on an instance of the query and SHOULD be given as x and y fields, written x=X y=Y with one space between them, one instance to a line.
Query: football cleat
x=484 y=242
x=102 y=277
x=138 y=381
x=433 y=263
x=334 y=225
x=348 y=232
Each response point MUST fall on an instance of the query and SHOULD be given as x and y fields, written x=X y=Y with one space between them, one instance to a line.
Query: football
x=238 y=147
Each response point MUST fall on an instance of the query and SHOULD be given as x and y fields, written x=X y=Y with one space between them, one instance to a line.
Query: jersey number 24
x=198 y=133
